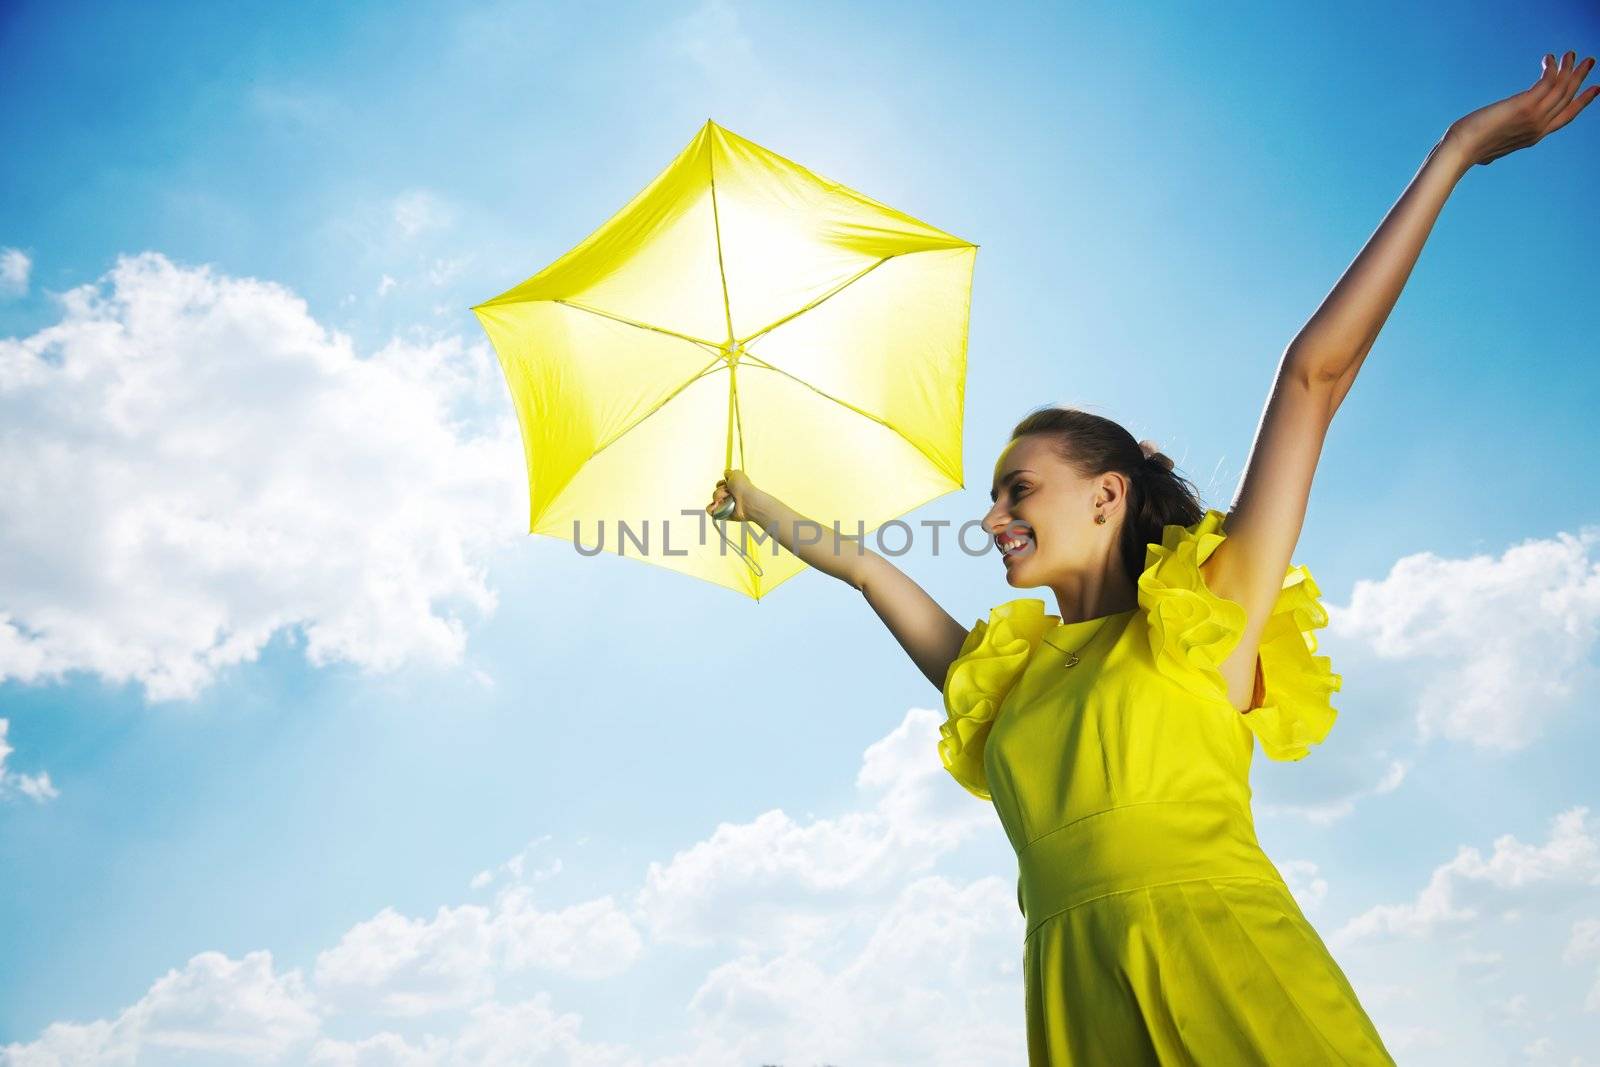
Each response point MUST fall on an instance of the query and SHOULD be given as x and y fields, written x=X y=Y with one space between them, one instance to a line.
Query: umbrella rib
x=634 y=322
x=716 y=225
x=707 y=369
x=938 y=464
x=825 y=296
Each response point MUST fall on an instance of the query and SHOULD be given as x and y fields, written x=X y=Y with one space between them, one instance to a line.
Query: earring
x=1100 y=517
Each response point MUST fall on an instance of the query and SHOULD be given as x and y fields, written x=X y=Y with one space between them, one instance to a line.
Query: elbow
x=861 y=574
x=1311 y=368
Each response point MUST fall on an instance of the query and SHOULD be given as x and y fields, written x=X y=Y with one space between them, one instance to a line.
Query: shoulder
x=1192 y=629
x=990 y=661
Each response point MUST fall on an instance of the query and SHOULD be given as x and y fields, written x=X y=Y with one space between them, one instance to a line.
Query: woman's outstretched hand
x=1529 y=116
x=740 y=488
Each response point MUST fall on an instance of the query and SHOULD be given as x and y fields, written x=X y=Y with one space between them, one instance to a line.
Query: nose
x=996 y=520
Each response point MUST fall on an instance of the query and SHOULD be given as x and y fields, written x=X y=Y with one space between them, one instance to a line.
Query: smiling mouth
x=1014 y=545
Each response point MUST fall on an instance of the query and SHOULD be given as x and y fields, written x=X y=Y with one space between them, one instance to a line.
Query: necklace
x=1072 y=657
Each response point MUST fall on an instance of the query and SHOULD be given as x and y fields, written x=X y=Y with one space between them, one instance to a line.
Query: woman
x=1115 y=739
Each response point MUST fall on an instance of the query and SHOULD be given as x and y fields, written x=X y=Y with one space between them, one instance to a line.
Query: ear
x=1112 y=487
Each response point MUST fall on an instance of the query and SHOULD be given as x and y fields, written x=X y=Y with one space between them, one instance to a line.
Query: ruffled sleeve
x=1192 y=630
x=990 y=662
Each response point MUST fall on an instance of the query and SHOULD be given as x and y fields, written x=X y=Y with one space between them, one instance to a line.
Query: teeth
x=1010 y=545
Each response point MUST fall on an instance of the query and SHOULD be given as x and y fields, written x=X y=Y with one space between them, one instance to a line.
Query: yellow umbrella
x=740 y=312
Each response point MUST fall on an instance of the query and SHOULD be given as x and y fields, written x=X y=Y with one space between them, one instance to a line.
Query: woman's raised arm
x=928 y=633
x=1321 y=363
x=1338 y=337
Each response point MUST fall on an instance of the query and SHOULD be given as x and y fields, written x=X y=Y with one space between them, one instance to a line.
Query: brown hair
x=1092 y=445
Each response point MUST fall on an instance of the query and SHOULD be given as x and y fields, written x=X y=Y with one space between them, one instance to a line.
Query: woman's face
x=1046 y=511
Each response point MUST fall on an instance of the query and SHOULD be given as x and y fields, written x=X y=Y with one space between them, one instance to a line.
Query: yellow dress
x=1157 y=930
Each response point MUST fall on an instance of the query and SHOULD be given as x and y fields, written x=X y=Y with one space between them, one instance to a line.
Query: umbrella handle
x=721 y=513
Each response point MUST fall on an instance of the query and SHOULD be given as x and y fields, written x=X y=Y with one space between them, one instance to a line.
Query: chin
x=1025 y=574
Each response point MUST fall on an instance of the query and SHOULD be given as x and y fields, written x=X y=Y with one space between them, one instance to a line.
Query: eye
x=1018 y=489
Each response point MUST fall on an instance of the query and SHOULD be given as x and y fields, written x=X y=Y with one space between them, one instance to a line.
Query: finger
x=1570 y=105
x=1575 y=78
x=1563 y=68
x=1570 y=112
x=1549 y=76
x=1569 y=77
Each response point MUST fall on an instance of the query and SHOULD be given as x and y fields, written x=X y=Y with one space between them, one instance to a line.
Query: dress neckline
x=1063 y=627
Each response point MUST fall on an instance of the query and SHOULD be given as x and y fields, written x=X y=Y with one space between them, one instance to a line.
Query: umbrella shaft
x=733 y=394
x=727 y=463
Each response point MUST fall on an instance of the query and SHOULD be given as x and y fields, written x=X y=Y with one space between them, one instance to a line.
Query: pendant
x=1072 y=659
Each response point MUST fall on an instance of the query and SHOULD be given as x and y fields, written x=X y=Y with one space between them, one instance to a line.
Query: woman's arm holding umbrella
x=928 y=633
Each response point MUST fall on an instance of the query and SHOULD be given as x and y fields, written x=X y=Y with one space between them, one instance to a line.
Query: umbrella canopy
x=740 y=312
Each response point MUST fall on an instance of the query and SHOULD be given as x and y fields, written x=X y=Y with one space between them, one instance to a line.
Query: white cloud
x=400 y=966
x=1513 y=1011
x=1408 y=1038
x=801 y=950
x=15 y=266
x=1460 y=890
x=1493 y=686
x=928 y=986
x=516 y=868
x=1583 y=947
x=1386 y=994
x=1308 y=888
x=494 y=1034
x=1585 y=943
x=190 y=463
x=444 y=271
x=927 y=969
x=773 y=879
x=403 y=966
x=386 y=284
x=417 y=211
x=532 y=1032
x=591 y=939
x=219 y=1009
x=1331 y=811
x=1481 y=966
x=34 y=786
x=383 y=1049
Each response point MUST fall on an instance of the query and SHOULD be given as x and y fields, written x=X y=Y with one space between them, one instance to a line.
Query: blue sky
x=312 y=755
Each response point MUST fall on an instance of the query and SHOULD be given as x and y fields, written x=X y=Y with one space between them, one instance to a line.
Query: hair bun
x=1153 y=453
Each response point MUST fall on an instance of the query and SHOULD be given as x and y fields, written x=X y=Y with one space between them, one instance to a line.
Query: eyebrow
x=993 y=496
